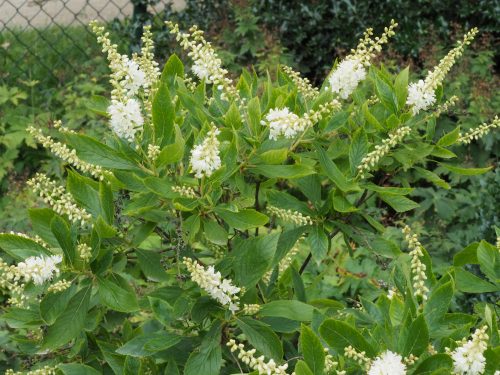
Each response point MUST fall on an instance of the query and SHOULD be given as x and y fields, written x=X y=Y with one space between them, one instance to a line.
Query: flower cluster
x=60 y=201
x=59 y=286
x=359 y=357
x=282 y=122
x=153 y=152
x=205 y=157
x=330 y=364
x=184 y=191
x=10 y=281
x=388 y=363
x=479 y=131
x=84 y=251
x=220 y=289
x=445 y=107
x=468 y=359
x=207 y=65
x=417 y=267
x=258 y=364
x=288 y=215
x=128 y=76
x=39 y=269
x=349 y=72
x=421 y=94
x=46 y=370
x=65 y=153
x=373 y=157
x=250 y=309
x=307 y=90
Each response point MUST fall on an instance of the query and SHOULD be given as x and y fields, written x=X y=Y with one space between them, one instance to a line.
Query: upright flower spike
x=282 y=122
x=206 y=64
x=205 y=157
x=468 y=359
x=352 y=70
x=65 y=153
x=388 y=363
x=221 y=290
x=421 y=94
x=39 y=269
x=479 y=131
x=373 y=157
x=127 y=78
x=288 y=215
x=258 y=364
x=307 y=90
x=57 y=197
x=417 y=267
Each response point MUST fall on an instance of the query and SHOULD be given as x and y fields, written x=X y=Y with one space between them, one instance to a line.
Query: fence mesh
x=41 y=34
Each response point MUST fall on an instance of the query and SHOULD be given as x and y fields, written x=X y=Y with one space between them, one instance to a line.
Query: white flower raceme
x=56 y=196
x=303 y=84
x=46 y=370
x=39 y=269
x=205 y=157
x=344 y=80
x=388 y=363
x=126 y=118
x=468 y=359
x=417 y=267
x=135 y=78
x=419 y=97
x=479 y=131
x=288 y=215
x=208 y=279
x=258 y=364
x=421 y=94
x=282 y=122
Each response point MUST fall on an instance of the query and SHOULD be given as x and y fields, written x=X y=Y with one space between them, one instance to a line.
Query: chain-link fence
x=39 y=37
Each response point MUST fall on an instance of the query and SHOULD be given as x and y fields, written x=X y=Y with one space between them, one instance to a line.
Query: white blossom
x=419 y=97
x=126 y=118
x=135 y=78
x=39 y=269
x=346 y=77
x=282 y=122
x=222 y=290
x=388 y=363
x=205 y=157
x=468 y=359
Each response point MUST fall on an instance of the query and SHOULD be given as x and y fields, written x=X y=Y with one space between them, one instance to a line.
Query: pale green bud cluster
x=478 y=132
x=61 y=201
x=46 y=370
x=36 y=238
x=307 y=90
x=410 y=360
x=289 y=215
x=84 y=251
x=153 y=152
x=65 y=153
x=285 y=262
x=417 y=267
x=445 y=107
x=368 y=47
x=330 y=364
x=372 y=158
x=184 y=191
x=207 y=65
x=148 y=64
x=251 y=309
x=359 y=357
x=10 y=281
x=59 y=286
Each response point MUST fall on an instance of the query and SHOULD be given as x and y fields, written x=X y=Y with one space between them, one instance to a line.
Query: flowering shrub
x=201 y=235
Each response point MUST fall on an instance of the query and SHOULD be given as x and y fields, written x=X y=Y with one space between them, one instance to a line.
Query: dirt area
x=37 y=13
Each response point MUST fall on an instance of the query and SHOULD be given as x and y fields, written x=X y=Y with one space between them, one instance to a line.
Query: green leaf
x=319 y=243
x=470 y=283
x=232 y=118
x=312 y=350
x=206 y=360
x=283 y=171
x=274 y=156
x=489 y=261
x=466 y=171
x=84 y=191
x=449 y=138
x=372 y=120
x=438 y=304
x=261 y=337
x=289 y=309
x=333 y=172
x=386 y=95
x=467 y=255
x=339 y=335
x=432 y=177
x=163 y=115
x=149 y=343
x=115 y=361
x=243 y=219
x=107 y=204
x=95 y=152
x=62 y=233
x=117 y=294
x=416 y=339
x=433 y=363
x=174 y=152
x=401 y=88
x=70 y=323
x=252 y=258
x=151 y=264
x=357 y=149
x=398 y=202
x=341 y=204
x=98 y=104
x=40 y=221
x=77 y=369
x=253 y=115
x=215 y=233
x=19 y=247
x=173 y=68
x=301 y=368
x=53 y=304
